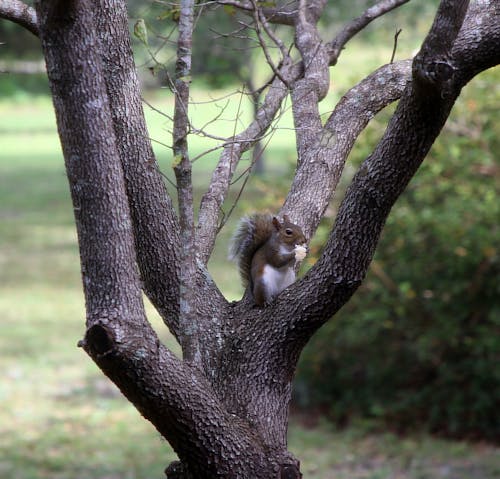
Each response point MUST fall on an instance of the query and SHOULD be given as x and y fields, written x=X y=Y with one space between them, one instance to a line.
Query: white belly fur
x=276 y=280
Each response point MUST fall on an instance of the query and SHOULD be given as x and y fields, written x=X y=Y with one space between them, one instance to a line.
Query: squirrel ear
x=286 y=219
x=276 y=223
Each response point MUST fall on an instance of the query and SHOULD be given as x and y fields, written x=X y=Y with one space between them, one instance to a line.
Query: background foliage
x=418 y=345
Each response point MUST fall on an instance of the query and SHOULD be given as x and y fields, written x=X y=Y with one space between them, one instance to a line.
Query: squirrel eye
x=288 y=232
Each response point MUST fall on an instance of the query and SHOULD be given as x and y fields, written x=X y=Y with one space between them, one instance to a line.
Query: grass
x=60 y=417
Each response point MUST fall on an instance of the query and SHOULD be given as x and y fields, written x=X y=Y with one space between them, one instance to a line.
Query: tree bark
x=156 y=227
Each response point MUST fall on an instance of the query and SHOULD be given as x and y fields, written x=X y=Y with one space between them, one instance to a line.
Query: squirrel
x=266 y=251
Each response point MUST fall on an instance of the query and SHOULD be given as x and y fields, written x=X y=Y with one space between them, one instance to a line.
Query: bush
x=418 y=345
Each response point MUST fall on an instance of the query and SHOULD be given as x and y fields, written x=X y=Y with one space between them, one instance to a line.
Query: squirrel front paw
x=300 y=252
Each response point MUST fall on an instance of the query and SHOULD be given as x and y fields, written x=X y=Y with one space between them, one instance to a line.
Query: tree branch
x=420 y=115
x=381 y=8
x=283 y=15
x=323 y=161
x=110 y=278
x=156 y=229
x=183 y=174
x=259 y=21
x=20 y=13
x=309 y=90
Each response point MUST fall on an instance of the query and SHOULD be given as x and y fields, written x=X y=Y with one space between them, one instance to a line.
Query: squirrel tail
x=252 y=232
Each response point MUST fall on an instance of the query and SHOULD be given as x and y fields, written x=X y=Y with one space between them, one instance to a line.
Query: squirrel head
x=288 y=233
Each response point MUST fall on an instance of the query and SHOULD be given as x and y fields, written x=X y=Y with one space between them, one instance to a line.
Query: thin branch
x=271 y=35
x=239 y=5
x=358 y=24
x=19 y=12
x=201 y=131
x=284 y=15
x=247 y=172
x=183 y=174
x=263 y=44
x=157 y=110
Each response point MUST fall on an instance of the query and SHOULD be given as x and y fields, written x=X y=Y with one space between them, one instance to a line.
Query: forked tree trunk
x=224 y=408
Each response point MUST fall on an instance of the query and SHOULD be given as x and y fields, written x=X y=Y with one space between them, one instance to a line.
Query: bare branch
x=271 y=35
x=308 y=91
x=284 y=15
x=246 y=174
x=351 y=29
x=323 y=162
x=183 y=174
x=20 y=13
x=213 y=199
x=245 y=6
x=263 y=45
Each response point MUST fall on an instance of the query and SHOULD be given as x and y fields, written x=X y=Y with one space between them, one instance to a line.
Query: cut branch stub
x=290 y=471
x=99 y=340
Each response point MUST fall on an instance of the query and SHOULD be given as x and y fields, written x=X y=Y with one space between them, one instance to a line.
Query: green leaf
x=140 y=31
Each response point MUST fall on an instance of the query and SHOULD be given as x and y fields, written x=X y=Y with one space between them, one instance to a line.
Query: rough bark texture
x=224 y=409
x=156 y=228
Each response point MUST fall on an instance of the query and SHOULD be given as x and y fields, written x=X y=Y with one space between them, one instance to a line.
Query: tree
x=224 y=406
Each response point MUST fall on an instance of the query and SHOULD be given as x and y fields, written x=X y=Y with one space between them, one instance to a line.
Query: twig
x=157 y=110
x=272 y=36
x=238 y=5
x=264 y=45
x=247 y=172
x=396 y=35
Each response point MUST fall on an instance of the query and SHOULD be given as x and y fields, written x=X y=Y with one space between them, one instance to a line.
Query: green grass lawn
x=59 y=416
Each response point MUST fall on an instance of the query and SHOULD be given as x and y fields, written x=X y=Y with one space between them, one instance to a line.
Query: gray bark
x=224 y=409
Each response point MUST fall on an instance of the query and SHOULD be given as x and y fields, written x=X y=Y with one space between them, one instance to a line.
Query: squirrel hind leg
x=259 y=294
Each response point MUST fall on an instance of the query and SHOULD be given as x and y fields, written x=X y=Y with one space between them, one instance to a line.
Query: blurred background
x=403 y=383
